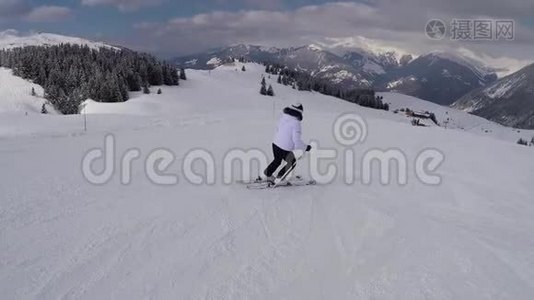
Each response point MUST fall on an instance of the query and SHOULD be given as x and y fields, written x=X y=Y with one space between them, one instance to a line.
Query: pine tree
x=270 y=91
x=263 y=89
x=41 y=77
x=134 y=82
x=159 y=92
x=146 y=90
x=279 y=80
x=33 y=92
x=182 y=74
x=243 y=69
x=175 y=78
x=522 y=142
x=70 y=74
x=43 y=109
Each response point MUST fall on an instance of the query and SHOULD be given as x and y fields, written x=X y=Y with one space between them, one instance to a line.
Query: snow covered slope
x=468 y=238
x=11 y=39
x=509 y=101
x=476 y=67
x=451 y=118
x=438 y=77
x=16 y=95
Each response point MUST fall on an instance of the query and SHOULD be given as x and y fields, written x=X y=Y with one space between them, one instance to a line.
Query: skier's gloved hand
x=308 y=149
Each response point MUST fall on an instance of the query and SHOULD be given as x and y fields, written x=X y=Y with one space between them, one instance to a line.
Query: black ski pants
x=279 y=156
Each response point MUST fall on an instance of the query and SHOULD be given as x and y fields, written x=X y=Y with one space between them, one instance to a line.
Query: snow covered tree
x=146 y=90
x=33 y=92
x=133 y=81
x=522 y=142
x=43 y=109
x=155 y=73
x=285 y=80
x=263 y=89
x=182 y=74
x=41 y=76
x=71 y=74
x=270 y=91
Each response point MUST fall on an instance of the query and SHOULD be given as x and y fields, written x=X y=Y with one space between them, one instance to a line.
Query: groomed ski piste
x=469 y=237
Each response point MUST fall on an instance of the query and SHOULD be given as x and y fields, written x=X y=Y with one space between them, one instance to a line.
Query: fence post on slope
x=83 y=105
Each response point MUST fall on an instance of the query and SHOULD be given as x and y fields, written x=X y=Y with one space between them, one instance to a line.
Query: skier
x=287 y=139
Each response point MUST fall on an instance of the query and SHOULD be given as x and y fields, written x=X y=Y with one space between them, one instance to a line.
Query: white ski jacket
x=288 y=134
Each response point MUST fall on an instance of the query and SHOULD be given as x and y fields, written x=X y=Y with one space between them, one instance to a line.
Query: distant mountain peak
x=438 y=77
x=508 y=101
x=10 y=39
x=476 y=66
x=315 y=47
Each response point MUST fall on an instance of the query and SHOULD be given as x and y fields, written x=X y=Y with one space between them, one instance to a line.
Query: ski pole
x=292 y=167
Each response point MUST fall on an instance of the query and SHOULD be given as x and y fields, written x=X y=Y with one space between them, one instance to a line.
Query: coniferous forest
x=70 y=74
x=302 y=81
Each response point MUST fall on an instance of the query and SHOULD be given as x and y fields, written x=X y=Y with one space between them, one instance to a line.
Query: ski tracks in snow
x=288 y=231
x=92 y=262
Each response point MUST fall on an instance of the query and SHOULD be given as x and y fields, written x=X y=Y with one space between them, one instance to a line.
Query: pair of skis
x=261 y=185
x=281 y=182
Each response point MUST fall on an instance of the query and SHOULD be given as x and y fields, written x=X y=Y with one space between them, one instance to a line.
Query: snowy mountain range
x=311 y=59
x=10 y=39
x=438 y=77
x=509 y=101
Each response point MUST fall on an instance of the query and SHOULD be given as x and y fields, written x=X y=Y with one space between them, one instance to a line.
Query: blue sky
x=177 y=27
x=108 y=21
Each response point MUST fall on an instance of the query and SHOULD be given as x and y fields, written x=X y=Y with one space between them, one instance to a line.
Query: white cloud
x=459 y=8
x=385 y=25
x=123 y=5
x=49 y=14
